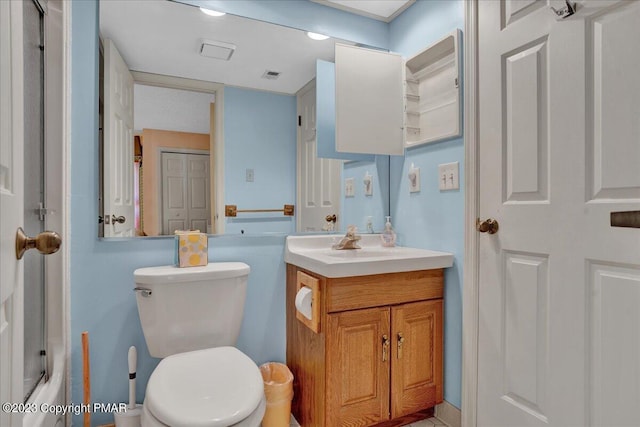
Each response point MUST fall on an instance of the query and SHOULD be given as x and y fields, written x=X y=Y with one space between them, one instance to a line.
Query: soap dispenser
x=388 y=236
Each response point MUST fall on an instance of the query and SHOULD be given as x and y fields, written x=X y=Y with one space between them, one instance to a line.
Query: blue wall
x=355 y=210
x=101 y=282
x=433 y=219
x=259 y=134
x=102 y=300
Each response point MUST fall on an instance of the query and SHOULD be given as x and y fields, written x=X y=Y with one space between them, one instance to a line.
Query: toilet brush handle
x=133 y=360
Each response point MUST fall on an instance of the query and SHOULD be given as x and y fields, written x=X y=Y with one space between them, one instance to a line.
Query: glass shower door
x=34 y=290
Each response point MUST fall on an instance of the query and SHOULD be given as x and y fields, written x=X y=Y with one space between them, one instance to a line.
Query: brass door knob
x=47 y=242
x=331 y=218
x=489 y=225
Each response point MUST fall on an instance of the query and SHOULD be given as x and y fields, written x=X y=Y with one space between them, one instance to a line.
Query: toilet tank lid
x=173 y=274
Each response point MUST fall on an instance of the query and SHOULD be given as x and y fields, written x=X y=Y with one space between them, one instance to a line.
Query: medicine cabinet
x=384 y=103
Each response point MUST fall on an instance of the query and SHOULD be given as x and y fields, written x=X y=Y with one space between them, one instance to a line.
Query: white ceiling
x=382 y=10
x=164 y=37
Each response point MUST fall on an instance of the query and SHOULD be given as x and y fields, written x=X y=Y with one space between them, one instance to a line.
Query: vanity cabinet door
x=416 y=376
x=358 y=353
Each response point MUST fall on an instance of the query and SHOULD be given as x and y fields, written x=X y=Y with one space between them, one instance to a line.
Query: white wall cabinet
x=384 y=103
x=369 y=101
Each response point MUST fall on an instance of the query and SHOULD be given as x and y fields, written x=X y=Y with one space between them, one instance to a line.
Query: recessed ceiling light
x=212 y=12
x=316 y=36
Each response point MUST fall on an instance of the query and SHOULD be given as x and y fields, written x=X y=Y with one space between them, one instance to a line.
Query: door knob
x=331 y=218
x=119 y=219
x=489 y=225
x=47 y=242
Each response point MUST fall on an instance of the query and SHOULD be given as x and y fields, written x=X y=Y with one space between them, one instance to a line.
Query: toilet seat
x=216 y=387
x=253 y=420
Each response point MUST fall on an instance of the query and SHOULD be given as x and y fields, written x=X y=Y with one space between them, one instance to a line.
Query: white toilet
x=191 y=317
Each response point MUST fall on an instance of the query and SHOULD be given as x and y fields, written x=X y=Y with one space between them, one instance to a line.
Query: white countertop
x=314 y=253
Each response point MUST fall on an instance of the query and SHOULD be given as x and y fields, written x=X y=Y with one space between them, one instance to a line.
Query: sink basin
x=314 y=253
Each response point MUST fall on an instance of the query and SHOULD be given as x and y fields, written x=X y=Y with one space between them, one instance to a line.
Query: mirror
x=213 y=105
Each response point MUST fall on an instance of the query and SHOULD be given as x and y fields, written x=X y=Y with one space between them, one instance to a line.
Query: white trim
x=172 y=82
x=218 y=160
x=364 y=13
x=181 y=151
x=470 y=287
x=448 y=414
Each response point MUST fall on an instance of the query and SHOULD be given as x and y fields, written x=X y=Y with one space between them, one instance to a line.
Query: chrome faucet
x=349 y=241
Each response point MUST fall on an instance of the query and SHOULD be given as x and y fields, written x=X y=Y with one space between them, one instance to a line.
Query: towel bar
x=232 y=210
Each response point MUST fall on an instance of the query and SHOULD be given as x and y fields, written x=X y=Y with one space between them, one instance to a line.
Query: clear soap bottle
x=388 y=236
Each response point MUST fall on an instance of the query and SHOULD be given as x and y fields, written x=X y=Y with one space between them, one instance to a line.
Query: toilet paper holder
x=305 y=280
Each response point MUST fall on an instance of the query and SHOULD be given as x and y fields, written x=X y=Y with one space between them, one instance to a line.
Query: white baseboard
x=449 y=414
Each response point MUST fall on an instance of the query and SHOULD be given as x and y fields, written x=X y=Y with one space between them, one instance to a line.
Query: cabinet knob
x=385 y=347
x=400 y=342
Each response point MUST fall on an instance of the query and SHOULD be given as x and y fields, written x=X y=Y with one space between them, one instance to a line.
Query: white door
x=119 y=209
x=185 y=192
x=559 y=288
x=318 y=178
x=11 y=208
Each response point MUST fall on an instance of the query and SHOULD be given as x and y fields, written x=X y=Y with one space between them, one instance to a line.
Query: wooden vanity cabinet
x=376 y=359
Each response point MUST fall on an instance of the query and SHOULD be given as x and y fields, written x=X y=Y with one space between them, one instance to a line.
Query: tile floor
x=431 y=422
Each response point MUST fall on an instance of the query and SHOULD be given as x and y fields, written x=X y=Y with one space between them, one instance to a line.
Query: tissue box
x=191 y=248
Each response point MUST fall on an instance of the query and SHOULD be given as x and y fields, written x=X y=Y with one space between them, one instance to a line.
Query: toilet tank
x=185 y=309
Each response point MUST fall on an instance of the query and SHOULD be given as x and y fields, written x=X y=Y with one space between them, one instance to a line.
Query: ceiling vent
x=217 y=50
x=271 y=75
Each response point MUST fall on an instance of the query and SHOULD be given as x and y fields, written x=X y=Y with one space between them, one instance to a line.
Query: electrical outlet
x=449 y=176
x=249 y=175
x=349 y=187
x=368 y=184
x=414 y=180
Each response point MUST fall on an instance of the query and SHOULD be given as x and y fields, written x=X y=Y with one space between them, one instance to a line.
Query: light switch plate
x=349 y=187
x=448 y=176
x=249 y=175
x=414 y=180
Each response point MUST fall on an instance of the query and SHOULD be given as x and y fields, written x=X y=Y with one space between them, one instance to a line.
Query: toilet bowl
x=213 y=387
x=191 y=318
